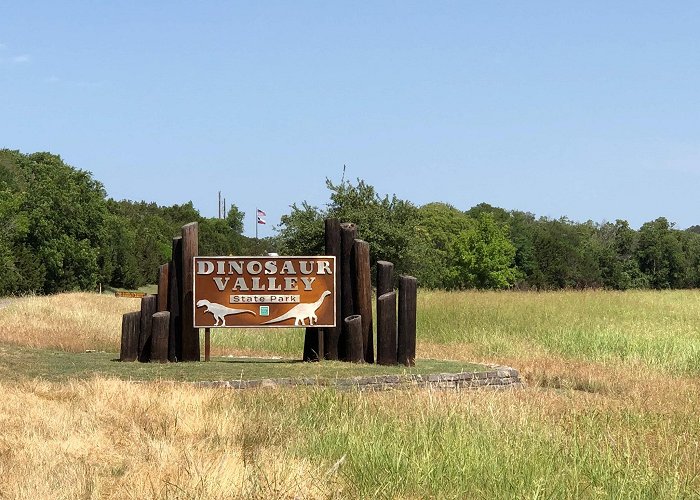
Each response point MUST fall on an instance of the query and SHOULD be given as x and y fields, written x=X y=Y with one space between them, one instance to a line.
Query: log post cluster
x=352 y=339
x=162 y=330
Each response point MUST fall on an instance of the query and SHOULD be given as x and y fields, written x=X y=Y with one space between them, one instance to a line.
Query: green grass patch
x=21 y=363
x=287 y=342
x=471 y=446
x=658 y=328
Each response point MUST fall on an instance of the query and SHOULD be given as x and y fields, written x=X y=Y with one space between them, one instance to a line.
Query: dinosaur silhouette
x=219 y=311
x=301 y=312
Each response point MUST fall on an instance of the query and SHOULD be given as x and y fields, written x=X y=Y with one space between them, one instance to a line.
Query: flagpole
x=256 y=223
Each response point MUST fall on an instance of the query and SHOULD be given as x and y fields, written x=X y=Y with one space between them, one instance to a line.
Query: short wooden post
x=148 y=309
x=190 y=334
x=163 y=275
x=331 y=335
x=160 y=326
x=207 y=344
x=174 y=298
x=348 y=233
x=363 y=297
x=355 y=351
x=312 y=350
x=385 y=277
x=131 y=330
x=408 y=297
x=386 y=329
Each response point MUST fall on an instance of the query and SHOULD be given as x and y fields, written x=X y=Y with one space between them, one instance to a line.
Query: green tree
x=483 y=255
x=301 y=231
x=57 y=214
x=234 y=219
x=438 y=225
x=222 y=236
x=566 y=255
x=660 y=254
x=386 y=223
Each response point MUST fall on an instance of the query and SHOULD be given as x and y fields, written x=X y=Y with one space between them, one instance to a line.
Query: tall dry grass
x=72 y=321
x=111 y=439
x=610 y=412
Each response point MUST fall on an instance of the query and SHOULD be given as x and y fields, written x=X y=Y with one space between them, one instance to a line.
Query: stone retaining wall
x=497 y=377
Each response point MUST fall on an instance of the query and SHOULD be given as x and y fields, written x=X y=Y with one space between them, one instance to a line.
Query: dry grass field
x=610 y=410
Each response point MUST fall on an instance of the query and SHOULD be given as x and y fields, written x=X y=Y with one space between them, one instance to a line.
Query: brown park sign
x=249 y=292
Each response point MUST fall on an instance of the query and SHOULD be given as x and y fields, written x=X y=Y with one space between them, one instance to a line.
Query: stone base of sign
x=497 y=377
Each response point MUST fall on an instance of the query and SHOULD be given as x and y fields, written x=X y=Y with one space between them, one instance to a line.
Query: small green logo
x=264 y=310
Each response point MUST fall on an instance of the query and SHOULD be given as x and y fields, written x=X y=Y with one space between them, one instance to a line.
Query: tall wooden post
x=386 y=329
x=159 y=337
x=408 y=296
x=131 y=329
x=355 y=350
x=363 y=297
x=313 y=344
x=331 y=336
x=385 y=277
x=175 y=298
x=190 y=335
x=149 y=305
x=348 y=233
x=207 y=344
x=163 y=275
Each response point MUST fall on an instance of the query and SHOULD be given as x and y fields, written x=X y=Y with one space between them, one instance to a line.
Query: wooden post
x=355 y=350
x=163 y=275
x=174 y=289
x=313 y=351
x=408 y=296
x=320 y=340
x=363 y=297
x=148 y=309
x=207 y=344
x=348 y=233
x=386 y=329
x=190 y=335
x=160 y=325
x=385 y=277
x=131 y=329
x=331 y=336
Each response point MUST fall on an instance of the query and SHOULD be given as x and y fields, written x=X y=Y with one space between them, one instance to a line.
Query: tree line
x=59 y=231
x=488 y=247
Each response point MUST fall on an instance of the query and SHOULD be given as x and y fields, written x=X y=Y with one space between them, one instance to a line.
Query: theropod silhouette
x=220 y=312
x=301 y=312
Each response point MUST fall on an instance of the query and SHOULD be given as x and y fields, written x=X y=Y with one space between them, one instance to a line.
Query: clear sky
x=584 y=109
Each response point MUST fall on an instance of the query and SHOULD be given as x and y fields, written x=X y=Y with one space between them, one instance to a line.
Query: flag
x=260 y=212
x=261 y=220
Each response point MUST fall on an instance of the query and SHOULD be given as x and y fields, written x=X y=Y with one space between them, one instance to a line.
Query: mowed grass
x=610 y=411
x=19 y=363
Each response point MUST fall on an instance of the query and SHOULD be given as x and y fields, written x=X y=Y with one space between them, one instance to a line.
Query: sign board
x=130 y=295
x=264 y=292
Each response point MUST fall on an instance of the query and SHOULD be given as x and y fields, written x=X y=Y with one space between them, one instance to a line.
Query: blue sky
x=584 y=109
